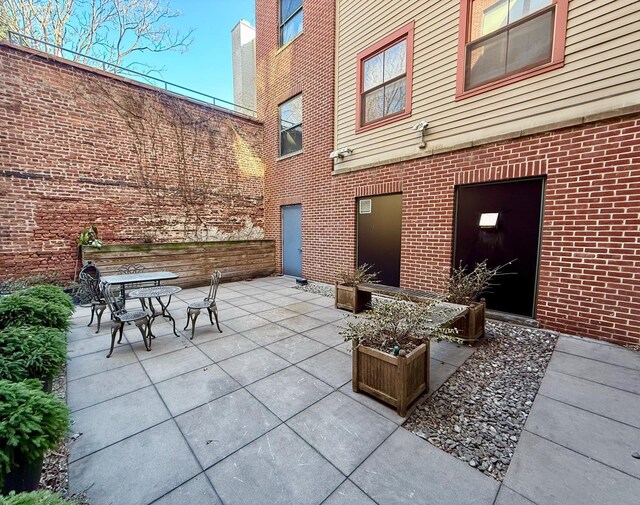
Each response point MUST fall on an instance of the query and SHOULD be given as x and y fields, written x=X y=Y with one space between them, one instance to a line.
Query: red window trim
x=404 y=32
x=557 y=52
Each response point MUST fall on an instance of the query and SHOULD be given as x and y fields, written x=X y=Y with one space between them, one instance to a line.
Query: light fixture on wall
x=341 y=153
x=421 y=127
x=489 y=220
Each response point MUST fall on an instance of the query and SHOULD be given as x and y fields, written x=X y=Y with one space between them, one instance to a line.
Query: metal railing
x=19 y=40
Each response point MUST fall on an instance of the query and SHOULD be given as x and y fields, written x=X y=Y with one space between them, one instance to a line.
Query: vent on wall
x=365 y=206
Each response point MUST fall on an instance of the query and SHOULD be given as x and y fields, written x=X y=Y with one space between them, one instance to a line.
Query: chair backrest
x=213 y=288
x=131 y=268
x=91 y=270
x=106 y=292
x=89 y=277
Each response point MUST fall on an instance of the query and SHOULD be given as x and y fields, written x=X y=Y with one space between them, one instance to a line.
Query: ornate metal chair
x=209 y=303
x=90 y=281
x=120 y=316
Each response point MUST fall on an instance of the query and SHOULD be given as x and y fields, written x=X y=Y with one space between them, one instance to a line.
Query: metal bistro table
x=157 y=292
x=123 y=279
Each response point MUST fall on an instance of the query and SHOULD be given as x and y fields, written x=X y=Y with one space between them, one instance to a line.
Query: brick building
x=460 y=130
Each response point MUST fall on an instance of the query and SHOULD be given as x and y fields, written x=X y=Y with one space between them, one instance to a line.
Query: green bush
x=50 y=293
x=12 y=285
x=31 y=352
x=34 y=498
x=33 y=422
x=24 y=310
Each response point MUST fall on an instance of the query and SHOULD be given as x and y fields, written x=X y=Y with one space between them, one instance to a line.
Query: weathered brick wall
x=81 y=147
x=590 y=256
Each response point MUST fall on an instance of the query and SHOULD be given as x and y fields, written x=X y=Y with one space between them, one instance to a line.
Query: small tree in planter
x=19 y=309
x=391 y=349
x=347 y=294
x=33 y=422
x=465 y=288
x=30 y=352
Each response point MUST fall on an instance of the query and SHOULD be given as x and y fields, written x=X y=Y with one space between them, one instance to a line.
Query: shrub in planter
x=347 y=294
x=50 y=293
x=391 y=349
x=32 y=352
x=19 y=309
x=34 y=498
x=33 y=422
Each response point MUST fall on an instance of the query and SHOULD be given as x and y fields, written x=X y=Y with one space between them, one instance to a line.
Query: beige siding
x=601 y=73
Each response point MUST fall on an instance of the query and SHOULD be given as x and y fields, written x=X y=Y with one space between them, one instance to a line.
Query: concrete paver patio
x=263 y=413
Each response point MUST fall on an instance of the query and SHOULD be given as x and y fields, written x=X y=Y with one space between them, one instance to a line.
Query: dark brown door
x=516 y=236
x=379 y=233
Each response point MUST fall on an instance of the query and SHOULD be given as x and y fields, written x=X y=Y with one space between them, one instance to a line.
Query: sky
x=206 y=67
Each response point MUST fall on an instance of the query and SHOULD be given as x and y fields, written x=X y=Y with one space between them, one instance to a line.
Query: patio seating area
x=264 y=413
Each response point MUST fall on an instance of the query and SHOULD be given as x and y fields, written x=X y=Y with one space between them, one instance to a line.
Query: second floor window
x=291 y=126
x=384 y=79
x=509 y=37
x=290 y=20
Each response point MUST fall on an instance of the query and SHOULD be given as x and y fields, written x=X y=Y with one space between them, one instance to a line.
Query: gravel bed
x=318 y=288
x=479 y=413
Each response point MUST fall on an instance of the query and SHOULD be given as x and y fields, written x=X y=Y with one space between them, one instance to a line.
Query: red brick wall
x=79 y=147
x=590 y=257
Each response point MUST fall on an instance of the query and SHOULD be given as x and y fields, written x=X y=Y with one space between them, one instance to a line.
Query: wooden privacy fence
x=192 y=261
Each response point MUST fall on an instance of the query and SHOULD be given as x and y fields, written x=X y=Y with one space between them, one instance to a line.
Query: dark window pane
x=373 y=105
x=395 y=60
x=291 y=28
x=395 y=95
x=486 y=61
x=530 y=43
x=291 y=140
x=373 y=72
x=288 y=7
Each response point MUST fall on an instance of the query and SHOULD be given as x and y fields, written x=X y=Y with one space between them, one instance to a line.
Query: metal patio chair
x=90 y=282
x=120 y=316
x=209 y=303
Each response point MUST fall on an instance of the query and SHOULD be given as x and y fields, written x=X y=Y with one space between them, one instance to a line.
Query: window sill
x=290 y=155
x=282 y=48
x=509 y=80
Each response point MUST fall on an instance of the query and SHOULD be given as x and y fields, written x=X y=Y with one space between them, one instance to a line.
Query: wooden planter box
x=350 y=298
x=395 y=380
x=471 y=326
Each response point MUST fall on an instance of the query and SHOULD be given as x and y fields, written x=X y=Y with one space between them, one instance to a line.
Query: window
x=290 y=20
x=291 y=126
x=503 y=39
x=384 y=76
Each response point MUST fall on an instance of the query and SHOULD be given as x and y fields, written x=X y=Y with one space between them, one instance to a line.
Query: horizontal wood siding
x=193 y=262
x=602 y=61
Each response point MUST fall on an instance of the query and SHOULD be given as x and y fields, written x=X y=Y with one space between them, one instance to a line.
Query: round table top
x=154 y=291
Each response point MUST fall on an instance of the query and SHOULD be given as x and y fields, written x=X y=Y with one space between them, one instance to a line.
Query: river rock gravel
x=478 y=414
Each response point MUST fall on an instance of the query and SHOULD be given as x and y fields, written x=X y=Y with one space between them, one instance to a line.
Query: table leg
x=165 y=313
x=152 y=318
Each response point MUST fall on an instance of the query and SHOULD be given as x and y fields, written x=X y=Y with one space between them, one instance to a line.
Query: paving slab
x=136 y=470
x=327 y=334
x=450 y=353
x=381 y=408
x=192 y=389
x=227 y=314
x=267 y=334
x=175 y=363
x=297 y=348
x=162 y=344
x=342 y=430
x=545 y=472
x=289 y=391
x=508 y=496
x=103 y=386
x=439 y=372
x=278 y=314
x=597 y=398
x=227 y=347
x=596 y=371
x=609 y=442
x=406 y=470
x=348 y=494
x=326 y=314
x=97 y=362
x=600 y=351
x=104 y=424
x=331 y=366
x=244 y=323
x=89 y=345
x=197 y=491
x=253 y=365
x=301 y=323
x=277 y=469
x=223 y=426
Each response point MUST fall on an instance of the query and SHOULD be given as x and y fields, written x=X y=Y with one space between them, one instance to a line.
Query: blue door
x=292 y=240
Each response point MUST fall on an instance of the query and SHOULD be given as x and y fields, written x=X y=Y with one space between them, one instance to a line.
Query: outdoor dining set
x=110 y=291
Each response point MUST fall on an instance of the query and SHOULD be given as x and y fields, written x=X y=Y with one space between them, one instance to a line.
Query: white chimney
x=243 y=54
